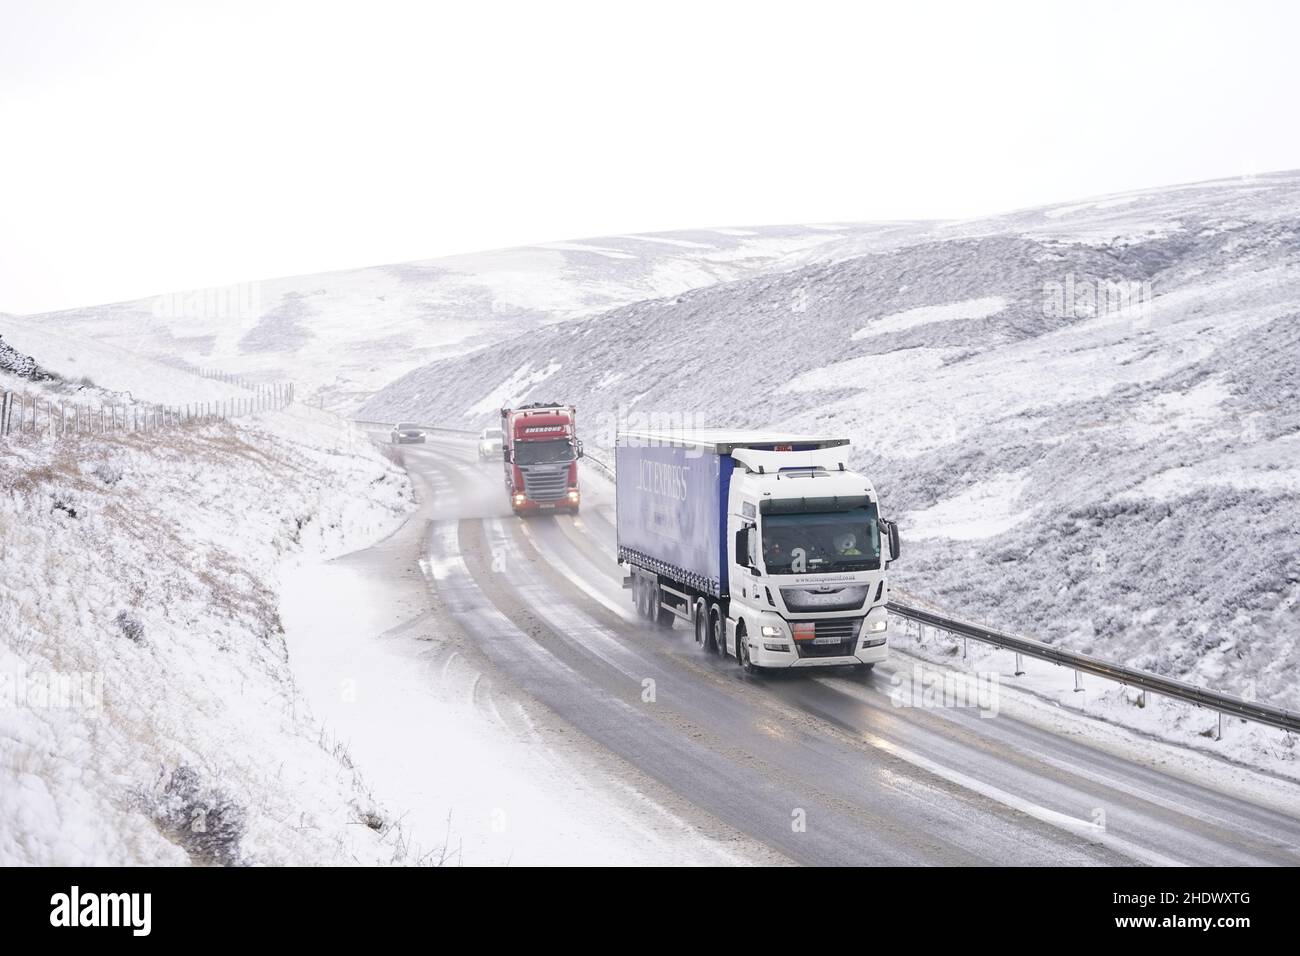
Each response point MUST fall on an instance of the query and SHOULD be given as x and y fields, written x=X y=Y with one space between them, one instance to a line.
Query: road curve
x=821 y=768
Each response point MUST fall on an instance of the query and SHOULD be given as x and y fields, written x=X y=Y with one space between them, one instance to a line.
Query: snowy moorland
x=1086 y=417
x=148 y=712
x=341 y=336
x=70 y=369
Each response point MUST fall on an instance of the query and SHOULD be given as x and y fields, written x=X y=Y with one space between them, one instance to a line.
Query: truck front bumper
x=781 y=650
x=525 y=505
x=777 y=659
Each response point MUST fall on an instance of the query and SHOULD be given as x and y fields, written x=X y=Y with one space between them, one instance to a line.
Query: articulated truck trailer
x=767 y=545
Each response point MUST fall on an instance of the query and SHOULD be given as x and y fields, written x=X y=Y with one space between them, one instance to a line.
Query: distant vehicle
x=541 y=452
x=404 y=432
x=489 y=444
x=766 y=544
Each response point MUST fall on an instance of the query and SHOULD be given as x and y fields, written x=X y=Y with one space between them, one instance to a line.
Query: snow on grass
x=77 y=358
x=1199 y=408
x=1269 y=466
x=586 y=247
x=980 y=308
x=867 y=372
x=985 y=509
x=509 y=391
x=666 y=241
x=139 y=570
x=1061 y=211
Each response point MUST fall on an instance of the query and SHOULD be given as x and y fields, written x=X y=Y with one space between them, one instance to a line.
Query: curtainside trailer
x=766 y=544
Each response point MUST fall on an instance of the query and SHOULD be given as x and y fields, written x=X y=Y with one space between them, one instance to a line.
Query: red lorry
x=541 y=451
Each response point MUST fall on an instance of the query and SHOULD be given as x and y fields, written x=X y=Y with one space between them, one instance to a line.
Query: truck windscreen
x=822 y=541
x=543 y=452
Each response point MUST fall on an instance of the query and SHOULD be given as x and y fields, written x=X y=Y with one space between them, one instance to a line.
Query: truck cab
x=540 y=452
x=807 y=554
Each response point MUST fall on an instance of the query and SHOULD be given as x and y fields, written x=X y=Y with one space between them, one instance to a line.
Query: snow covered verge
x=148 y=712
x=476 y=773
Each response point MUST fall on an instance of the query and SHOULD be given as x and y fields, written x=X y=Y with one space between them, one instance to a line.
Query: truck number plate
x=827 y=640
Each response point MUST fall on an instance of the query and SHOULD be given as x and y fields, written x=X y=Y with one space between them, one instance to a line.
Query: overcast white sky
x=149 y=147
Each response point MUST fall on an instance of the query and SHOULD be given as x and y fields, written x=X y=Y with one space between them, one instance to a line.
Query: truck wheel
x=702 y=625
x=718 y=630
x=742 y=652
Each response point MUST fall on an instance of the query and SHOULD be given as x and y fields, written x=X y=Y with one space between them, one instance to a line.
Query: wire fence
x=230 y=379
x=25 y=413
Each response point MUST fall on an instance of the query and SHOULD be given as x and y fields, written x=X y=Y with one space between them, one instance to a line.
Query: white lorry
x=766 y=544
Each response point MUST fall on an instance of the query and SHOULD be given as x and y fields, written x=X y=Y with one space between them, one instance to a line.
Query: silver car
x=404 y=432
x=489 y=444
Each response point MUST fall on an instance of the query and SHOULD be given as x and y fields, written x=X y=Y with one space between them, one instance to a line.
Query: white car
x=489 y=444
x=406 y=432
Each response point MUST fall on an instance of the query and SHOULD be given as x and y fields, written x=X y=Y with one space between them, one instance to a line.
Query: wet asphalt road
x=820 y=767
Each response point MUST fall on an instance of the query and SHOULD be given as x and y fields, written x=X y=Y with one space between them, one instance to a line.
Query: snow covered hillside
x=1086 y=416
x=148 y=713
x=77 y=369
x=341 y=336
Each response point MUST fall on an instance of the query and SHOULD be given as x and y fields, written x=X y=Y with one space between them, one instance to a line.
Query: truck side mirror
x=895 y=546
x=505 y=453
x=579 y=444
x=742 y=548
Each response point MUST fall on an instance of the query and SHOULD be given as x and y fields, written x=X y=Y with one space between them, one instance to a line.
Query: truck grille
x=546 y=485
x=848 y=598
x=846 y=630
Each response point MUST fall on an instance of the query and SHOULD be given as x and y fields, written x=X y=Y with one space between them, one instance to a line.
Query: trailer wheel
x=638 y=595
x=661 y=615
x=702 y=624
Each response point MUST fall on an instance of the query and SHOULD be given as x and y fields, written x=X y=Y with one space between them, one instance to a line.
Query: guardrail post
x=1220 y=736
x=1020 y=671
x=1078 y=681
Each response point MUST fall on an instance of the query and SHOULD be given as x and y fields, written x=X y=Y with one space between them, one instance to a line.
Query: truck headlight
x=875 y=627
x=520 y=499
x=874 y=642
x=771 y=630
x=776 y=647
